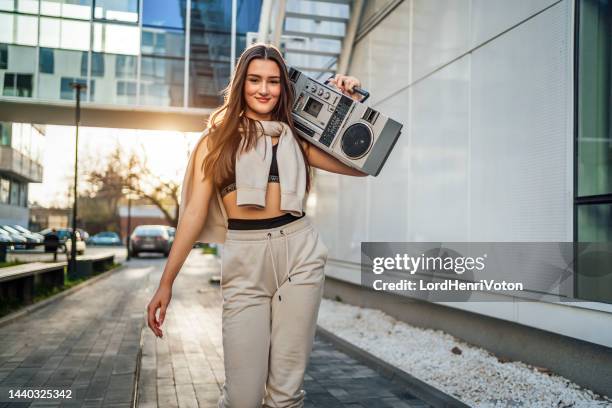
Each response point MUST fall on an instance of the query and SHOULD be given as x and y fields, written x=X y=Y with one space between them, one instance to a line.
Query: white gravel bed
x=470 y=374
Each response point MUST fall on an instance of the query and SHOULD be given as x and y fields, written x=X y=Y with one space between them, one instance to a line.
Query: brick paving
x=89 y=341
x=185 y=369
x=334 y=379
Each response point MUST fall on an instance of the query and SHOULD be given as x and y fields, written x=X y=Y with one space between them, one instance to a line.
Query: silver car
x=150 y=238
x=20 y=241
x=31 y=239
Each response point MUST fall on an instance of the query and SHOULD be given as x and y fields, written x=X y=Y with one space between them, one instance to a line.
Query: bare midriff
x=271 y=210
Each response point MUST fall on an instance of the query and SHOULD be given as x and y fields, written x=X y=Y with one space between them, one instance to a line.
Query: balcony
x=19 y=165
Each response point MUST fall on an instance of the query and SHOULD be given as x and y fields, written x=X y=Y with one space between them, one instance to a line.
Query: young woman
x=245 y=186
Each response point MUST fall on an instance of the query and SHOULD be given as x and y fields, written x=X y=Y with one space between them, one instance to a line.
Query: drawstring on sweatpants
x=269 y=243
x=287 y=254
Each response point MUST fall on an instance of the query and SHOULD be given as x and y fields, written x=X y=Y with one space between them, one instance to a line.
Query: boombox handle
x=360 y=91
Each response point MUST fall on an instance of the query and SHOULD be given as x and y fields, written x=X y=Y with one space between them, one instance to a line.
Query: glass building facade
x=593 y=167
x=21 y=149
x=134 y=52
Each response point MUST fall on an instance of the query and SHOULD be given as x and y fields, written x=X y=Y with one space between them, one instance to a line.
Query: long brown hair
x=228 y=120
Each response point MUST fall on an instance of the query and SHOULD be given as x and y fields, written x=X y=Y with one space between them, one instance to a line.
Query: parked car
x=20 y=241
x=30 y=238
x=172 y=233
x=27 y=231
x=150 y=238
x=64 y=237
x=6 y=238
x=105 y=238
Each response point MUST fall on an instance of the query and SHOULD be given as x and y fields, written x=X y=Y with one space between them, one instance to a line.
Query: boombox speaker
x=352 y=132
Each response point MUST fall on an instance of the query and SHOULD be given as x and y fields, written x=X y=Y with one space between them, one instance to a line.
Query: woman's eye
x=257 y=80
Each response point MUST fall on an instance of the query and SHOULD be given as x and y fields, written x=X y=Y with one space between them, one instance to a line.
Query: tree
x=141 y=181
x=132 y=174
x=99 y=202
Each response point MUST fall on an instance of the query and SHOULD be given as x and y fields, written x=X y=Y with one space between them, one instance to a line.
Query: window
x=126 y=91
x=126 y=66
x=64 y=33
x=27 y=6
x=66 y=8
x=23 y=194
x=6 y=129
x=97 y=64
x=46 y=60
x=210 y=30
x=593 y=170
x=9 y=84
x=7 y=5
x=161 y=81
x=4 y=190
x=24 y=85
x=92 y=89
x=125 y=88
x=116 y=38
x=164 y=13
x=14 y=187
x=247 y=15
x=3 y=56
x=17 y=84
x=164 y=42
x=24 y=29
x=595 y=133
x=84 y=59
x=67 y=92
x=126 y=10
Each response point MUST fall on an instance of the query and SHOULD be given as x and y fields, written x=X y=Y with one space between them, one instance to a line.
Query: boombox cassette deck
x=351 y=131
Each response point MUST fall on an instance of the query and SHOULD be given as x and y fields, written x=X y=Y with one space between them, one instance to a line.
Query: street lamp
x=129 y=225
x=78 y=86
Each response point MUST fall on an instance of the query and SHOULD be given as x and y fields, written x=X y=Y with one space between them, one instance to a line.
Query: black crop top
x=230 y=185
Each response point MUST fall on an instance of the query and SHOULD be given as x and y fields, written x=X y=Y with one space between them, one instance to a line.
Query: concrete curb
x=134 y=403
x=31 y=308
x=420 y=389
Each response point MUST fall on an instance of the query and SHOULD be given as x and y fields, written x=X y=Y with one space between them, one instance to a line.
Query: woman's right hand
x=160 y=300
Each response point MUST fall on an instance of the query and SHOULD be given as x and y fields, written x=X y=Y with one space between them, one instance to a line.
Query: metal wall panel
x=485 y=92
x=520 y=109
x=491 y=17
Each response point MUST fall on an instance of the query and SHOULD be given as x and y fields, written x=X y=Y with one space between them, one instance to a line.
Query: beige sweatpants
x=272 y=283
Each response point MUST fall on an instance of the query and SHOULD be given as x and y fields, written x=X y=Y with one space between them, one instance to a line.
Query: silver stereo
x=352 y=132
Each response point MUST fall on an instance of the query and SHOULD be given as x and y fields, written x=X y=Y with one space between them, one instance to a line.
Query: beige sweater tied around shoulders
x=252 y=170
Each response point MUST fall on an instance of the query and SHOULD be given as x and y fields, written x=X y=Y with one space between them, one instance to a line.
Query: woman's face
x=262 y=88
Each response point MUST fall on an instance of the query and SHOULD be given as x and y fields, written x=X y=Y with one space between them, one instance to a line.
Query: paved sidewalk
x=185 y=368
x=90 y=341
x=334 y=379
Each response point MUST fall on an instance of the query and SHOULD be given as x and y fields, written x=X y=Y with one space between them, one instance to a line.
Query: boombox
x=352 y=132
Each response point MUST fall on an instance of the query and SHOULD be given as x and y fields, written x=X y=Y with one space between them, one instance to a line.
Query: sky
x=165 y=151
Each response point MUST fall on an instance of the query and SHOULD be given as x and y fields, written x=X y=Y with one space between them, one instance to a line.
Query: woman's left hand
x=345 y=84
